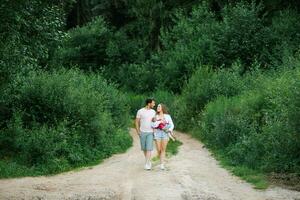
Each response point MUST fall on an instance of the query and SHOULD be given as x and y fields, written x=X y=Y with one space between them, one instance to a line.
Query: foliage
x=30 y=30
x=284 y=28
x=241 y=32
x=135 y=102
x=62 y=119
x=227 y=71
x=164 y=43
x=205 y=86
x=96 y=47
x=83 y=47
x=258 y=129
x=186 y=46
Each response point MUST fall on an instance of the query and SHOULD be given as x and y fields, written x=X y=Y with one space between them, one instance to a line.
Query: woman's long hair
x=163 y=108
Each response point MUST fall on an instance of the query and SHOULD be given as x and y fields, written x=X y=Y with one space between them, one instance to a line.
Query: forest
x=73 y=74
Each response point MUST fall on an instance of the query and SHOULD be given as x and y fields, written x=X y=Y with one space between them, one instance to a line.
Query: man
x=144 y=129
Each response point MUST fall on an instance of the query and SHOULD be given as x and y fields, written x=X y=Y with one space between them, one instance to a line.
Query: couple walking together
x=154 y=125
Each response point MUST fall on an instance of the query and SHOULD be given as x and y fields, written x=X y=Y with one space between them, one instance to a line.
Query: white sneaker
x=162 y=167
x=148 y=166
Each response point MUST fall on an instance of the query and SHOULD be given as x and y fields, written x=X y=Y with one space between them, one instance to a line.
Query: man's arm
x=137 y=125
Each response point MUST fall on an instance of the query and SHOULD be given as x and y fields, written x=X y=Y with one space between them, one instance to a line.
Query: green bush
x=142 y=79
x=62 y=119
x=227 y=120
x=258 y=128
x=205 y=86
x=282 y=123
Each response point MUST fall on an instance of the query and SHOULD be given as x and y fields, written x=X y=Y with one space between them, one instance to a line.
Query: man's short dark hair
x=149 y=100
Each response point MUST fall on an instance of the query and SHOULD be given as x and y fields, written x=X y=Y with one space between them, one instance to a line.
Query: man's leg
x=143 y=145
x=148 y=155
x=149 y=148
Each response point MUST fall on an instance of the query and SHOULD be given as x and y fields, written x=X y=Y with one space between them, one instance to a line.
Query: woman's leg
x=158 y=147
x=164 y=144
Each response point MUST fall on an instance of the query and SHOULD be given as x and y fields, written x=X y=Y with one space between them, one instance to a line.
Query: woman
x=162 y=124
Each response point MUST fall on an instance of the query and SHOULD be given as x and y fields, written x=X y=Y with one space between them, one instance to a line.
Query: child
x=163 y=126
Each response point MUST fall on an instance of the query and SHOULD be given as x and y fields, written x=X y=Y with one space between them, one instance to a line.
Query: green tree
x=30 y=31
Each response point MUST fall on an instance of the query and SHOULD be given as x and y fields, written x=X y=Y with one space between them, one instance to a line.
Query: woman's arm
x=170 y=121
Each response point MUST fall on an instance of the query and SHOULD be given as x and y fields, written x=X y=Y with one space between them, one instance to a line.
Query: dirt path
x=191 y=174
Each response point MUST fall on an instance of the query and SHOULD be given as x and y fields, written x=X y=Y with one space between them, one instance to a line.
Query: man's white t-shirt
x=145 y=115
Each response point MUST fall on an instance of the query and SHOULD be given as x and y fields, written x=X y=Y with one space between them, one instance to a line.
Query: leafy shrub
x=141 y=79
x=282 y=141
x=227 y=120
x=205 y=86
x=259 y=128
x=62 y=118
